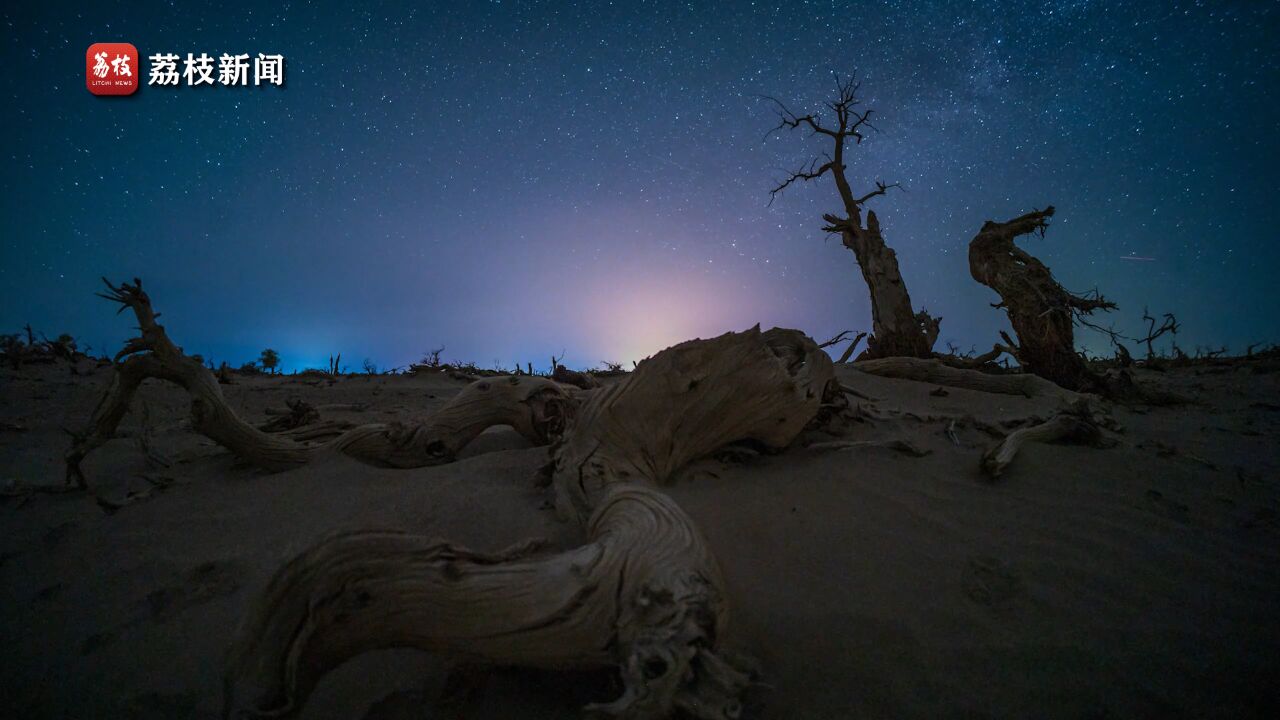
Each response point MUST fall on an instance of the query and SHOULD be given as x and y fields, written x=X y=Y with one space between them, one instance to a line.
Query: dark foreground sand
x=1137 y=581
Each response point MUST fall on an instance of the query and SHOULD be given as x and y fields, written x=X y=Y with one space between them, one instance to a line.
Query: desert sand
x=1140 y=580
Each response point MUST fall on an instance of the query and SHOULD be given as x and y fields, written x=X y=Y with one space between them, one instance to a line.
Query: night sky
x=514 y=180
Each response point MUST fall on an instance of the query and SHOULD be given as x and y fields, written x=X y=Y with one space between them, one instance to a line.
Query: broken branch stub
x=644 y=594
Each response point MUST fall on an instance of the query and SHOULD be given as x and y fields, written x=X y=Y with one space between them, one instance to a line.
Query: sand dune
x=1136 y=581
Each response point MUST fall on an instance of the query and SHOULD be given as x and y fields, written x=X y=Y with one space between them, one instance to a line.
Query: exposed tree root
x=535 y=407
x=938 y=373
x=643 y=594
x=1077 y=424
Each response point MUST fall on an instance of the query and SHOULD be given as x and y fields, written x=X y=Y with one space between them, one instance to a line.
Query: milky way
x=515 y=180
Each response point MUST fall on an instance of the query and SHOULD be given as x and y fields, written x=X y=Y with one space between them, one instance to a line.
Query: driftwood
x=1041 y=311
x=686 y=402
x=1078 y=423
x=535 y=407
x=643 y=594
x=897 y=329
x=937 y=372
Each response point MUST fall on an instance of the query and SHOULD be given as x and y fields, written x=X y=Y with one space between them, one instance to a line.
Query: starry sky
x=516 y=180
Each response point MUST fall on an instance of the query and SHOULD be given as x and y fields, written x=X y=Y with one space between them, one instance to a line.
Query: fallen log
x=936 y=372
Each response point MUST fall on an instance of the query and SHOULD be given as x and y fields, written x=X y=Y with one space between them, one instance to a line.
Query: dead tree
x=1169 y=325
x=1042 y=312
x=643 y=594
x=534 y=407
x=896 y=328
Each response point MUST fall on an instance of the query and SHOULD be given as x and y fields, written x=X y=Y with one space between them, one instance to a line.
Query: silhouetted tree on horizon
x=896 y=328
x=269 y=360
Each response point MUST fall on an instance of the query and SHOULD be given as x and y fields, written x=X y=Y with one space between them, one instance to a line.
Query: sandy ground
x=1137 y=581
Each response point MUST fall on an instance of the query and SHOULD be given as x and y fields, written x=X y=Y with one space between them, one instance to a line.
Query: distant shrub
x=269 y=360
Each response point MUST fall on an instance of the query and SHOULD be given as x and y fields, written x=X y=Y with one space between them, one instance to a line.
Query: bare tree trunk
x=644 y=593
x=896 y=328
x=1042 y=312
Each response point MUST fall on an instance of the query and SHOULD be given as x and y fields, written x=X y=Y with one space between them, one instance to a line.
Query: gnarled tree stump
x=1042 y=312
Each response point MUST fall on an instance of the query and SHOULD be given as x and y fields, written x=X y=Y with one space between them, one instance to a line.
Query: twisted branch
x=537 y=408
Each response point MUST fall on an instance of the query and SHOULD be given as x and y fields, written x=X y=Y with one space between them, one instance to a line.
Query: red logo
x=111 y=69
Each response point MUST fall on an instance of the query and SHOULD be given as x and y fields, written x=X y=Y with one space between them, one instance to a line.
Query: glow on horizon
x=634 y=316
